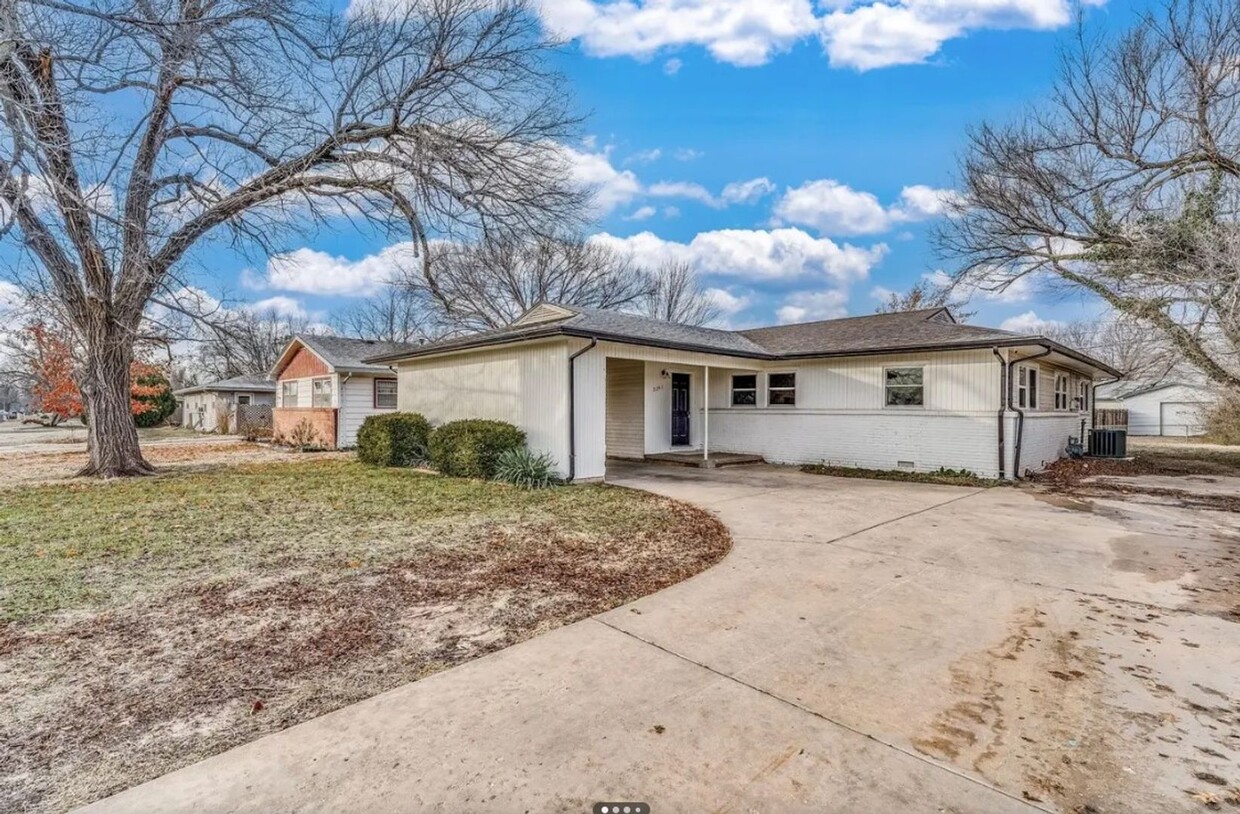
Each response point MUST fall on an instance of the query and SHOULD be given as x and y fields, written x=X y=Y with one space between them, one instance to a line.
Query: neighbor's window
x=906 y=386
x=288 y=394
x=1027 y=387
x=1061 y=391
x=781 y=389
x=385 y=394
x=321 y=393
x=243 y=399
x=745 y=390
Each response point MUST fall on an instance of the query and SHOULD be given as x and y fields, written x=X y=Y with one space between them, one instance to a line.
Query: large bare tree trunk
x=111 y=435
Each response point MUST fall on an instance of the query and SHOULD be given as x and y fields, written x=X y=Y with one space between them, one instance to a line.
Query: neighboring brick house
x=322 y=380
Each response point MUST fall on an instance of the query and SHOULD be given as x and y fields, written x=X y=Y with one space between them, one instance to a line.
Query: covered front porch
x=661 y=411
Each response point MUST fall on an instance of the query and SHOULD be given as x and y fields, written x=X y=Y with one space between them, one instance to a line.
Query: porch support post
x=706 y=414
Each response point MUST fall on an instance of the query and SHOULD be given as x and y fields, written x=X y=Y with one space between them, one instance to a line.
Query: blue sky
x=800 y=172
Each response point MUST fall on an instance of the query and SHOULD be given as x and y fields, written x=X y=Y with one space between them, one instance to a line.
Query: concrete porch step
x=714 y=460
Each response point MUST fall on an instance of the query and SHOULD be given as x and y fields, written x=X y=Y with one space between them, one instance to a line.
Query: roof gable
x=544 y=312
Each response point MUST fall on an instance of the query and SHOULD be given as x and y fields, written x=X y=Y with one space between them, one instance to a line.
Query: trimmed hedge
x=471 y=448
x=393 y=439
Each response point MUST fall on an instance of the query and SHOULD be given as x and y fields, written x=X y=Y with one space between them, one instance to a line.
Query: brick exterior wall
x=304 y=364
x=323 y=419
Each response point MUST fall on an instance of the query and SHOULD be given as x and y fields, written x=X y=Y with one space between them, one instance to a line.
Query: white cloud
x=756 y=255
x=921 y=202
x=834 y=208
x=1021 y=289
x=643 y=213
x=1029 y=323
x=747 y=192
x=279 y=305
x=644 y=156
x=672 y=66
x=882 y=293
x=879 y=35
x=612 y=188
x=688 y=154
x=857 y=34
x=806 y=306
x=740 y=32
x=727 y=303
x=687 y=190
x=671 y=212
x=314 y=272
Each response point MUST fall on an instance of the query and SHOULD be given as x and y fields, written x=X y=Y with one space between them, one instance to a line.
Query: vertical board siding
x=626 y=423
x=522 y=384
x=357 y=402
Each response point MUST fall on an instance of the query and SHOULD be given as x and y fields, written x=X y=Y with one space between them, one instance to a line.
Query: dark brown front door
x=680 y=409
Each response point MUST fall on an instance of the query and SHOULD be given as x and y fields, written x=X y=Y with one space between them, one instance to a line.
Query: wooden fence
x=1110 y=418
x=254 y=420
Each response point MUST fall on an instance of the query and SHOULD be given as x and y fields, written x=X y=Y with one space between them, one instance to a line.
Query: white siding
x=1145 y=410
x=1044 y=440
x=626 y=386
x=357 y=401
x=523 y=384
x=305 y=392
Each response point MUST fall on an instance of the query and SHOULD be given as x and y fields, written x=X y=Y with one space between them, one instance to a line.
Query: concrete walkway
x=866 y=647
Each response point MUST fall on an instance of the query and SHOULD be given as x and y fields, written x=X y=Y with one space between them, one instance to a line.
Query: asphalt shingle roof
x=251 y=383
x=926 y=329
x=350 y=354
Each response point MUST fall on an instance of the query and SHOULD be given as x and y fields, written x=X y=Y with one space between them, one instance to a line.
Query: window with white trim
x=1082 y=401
x=321 y=393
x=745 y=390
x=1027 y=387
x=385 y=394
x=904 y=386
x=781 y=389
x=1061 y=391
x=288 y=394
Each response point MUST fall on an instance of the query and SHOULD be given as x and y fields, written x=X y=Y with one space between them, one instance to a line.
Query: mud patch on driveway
x=1027 y=719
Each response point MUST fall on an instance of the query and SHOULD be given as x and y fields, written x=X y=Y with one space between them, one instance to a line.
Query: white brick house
x=912 y=390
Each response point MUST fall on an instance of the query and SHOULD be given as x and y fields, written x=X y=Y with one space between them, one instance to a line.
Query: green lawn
x=152 y=622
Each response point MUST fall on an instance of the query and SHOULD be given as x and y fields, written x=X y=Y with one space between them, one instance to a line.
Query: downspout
x=572 y=409
x=1004 y=398
x=1020 y=414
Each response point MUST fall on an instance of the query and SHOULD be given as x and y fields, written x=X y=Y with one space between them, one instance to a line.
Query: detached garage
x=1174 y=409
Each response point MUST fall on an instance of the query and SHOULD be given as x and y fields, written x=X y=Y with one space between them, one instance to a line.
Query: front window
x=321 y=393
x=1027 y=387
x=1082 y=402
x=288 y=394
x=385 y=394
x=1061 y=391
x=906 y=387
x=782 y=389
x=745 y=390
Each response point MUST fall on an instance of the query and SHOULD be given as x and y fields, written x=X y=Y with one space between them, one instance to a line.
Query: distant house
x=212 y=407
x=913 y=390
x=323 y=380
x=1175 y=409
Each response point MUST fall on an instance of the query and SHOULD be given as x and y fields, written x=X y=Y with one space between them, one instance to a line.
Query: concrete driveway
x=866 y=647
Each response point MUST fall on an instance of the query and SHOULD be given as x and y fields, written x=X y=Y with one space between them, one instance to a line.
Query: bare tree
x=676 y=296
x=244 y=342
x=1126 y=184
x=1135 y=349
x=487 y=285
x=925 y=294
x=396 y=313
x=132 y=132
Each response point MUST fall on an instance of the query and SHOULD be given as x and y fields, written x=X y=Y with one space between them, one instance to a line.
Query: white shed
x=212 y=407
x=1173 y=409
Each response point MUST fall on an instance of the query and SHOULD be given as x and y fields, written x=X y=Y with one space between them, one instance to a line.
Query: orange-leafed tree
x=56 y=392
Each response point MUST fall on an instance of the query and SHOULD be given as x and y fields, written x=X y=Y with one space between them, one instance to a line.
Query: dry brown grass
x=156 y=622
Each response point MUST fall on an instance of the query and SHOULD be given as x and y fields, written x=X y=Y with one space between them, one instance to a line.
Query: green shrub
x=470 y=448
x=151 y=389
x=393 y=439
x=526 y=469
